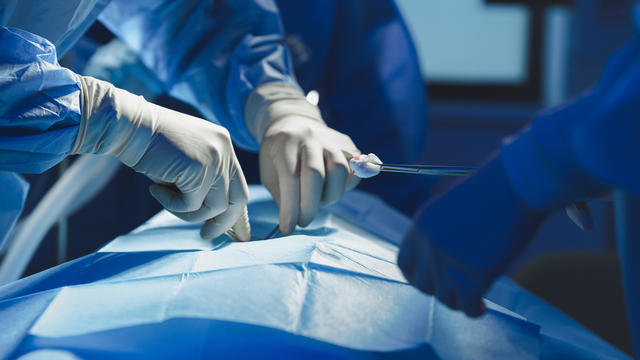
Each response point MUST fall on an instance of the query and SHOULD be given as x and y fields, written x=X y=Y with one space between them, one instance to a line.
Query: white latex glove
x=303 y=162
x=191 y=160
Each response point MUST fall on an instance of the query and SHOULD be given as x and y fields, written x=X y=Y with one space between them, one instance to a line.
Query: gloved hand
x=191 y=160
x=462 y=241
x=303 y=162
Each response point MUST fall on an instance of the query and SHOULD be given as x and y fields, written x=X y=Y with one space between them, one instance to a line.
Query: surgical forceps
x=275 y=232
x=428 y=169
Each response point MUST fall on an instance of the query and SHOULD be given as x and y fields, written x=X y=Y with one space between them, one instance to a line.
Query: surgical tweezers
x=275 y=232
x=428 y=169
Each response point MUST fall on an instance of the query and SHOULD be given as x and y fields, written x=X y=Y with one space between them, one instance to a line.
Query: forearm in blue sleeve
x=39 y=104
x=586 y=147
x=210 y=54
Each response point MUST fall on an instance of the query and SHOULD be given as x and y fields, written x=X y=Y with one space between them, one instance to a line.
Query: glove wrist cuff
x=273 y=101
x=113 y=122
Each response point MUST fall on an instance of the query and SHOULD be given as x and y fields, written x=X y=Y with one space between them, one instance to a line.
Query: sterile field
x=331 y=290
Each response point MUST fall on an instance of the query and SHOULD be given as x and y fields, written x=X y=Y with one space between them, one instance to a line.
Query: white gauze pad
x=365 y=166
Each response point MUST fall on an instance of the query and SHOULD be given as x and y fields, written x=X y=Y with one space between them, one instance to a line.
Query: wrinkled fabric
x=211 y=55
x=208 y=54
x=331 y=290
x=560 y=336
x=62 y=22
x=39 y=104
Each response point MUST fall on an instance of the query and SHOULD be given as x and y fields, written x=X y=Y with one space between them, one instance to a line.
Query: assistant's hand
x=191 y=160
x=463 y=240
x=303 y=162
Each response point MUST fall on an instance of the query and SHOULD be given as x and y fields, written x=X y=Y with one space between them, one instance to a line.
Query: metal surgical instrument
x=428 y=169
x=275 y=232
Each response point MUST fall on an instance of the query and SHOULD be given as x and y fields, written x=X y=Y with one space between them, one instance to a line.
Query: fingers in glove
x=337 y=172
x=580 y=214
x=175 y=200
x=311 y=182
x=352 y=182
x=352 y=179
x=217 y=226
x=287 y=168
x=241 y=230
x=268 y=176
x=239 y=194
x=215 y=203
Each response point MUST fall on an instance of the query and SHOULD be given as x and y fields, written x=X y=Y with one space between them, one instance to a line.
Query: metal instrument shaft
x=434 y=170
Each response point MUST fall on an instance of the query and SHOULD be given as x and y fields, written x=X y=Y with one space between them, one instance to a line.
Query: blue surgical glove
x=462 y=241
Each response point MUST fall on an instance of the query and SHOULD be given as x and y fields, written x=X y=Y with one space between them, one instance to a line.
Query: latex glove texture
x=303 y=162
x=192 y=161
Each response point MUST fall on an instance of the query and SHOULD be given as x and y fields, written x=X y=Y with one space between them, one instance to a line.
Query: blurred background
x=488 y=67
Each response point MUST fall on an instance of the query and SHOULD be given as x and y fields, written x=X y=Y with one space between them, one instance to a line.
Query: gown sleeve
x=209 y=54
x=39 y=104
x=585 y=147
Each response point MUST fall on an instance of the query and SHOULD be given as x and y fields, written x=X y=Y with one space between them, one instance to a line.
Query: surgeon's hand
x=463 y=240
x=192 y=161
x=303 y=162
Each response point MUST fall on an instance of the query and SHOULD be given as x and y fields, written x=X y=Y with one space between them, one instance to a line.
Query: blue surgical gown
x=585 y=147
x=210 y=54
